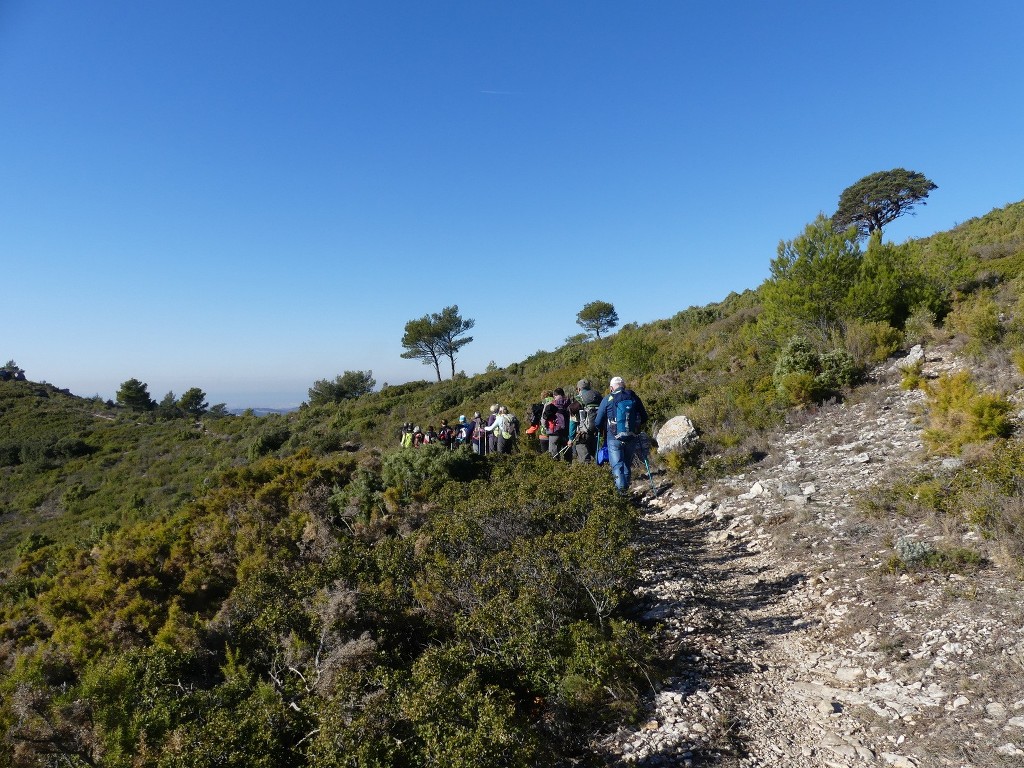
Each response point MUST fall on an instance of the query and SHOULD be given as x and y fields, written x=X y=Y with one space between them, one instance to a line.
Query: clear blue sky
x=249 y=196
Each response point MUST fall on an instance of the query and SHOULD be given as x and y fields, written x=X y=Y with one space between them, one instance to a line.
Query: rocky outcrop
x=678 y=434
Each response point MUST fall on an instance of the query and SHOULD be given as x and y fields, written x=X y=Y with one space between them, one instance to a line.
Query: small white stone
x=996 y=711
x=898 y=761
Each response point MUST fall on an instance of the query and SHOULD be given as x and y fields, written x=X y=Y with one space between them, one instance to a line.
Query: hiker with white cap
x=464 y=432
x=620 y=416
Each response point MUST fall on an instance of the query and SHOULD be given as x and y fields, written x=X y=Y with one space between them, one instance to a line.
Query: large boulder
x=677 y=434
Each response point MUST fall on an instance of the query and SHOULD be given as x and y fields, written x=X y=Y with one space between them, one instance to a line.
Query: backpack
x=585 y=422
x=556 y=417
x=533 y=414
x=627 y=418
x=511 y=427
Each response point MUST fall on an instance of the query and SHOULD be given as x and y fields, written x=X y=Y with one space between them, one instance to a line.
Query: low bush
x=917 y=555
x=959 y=414
x=977 y=320
x=871 y=342
x=803 y=375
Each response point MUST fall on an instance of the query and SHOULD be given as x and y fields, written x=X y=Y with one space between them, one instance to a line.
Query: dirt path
x=790 y=641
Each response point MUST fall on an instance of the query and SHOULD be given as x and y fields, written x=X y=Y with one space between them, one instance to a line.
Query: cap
x=462 y=418
x=616 y=382
x=583 y=384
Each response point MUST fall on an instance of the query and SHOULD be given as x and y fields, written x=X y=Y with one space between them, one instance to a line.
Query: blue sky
x=250 y=196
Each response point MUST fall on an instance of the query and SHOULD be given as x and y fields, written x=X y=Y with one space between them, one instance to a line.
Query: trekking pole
x=646 y=446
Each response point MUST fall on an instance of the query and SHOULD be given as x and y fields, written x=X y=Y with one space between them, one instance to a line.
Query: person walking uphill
x=583 y=410
x=556 y=419
x=621 y=415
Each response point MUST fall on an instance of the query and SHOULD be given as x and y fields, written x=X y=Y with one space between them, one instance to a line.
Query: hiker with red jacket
x=620 y=416
x=556 y=419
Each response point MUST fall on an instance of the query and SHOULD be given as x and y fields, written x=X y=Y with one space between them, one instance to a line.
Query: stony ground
x=790 y=641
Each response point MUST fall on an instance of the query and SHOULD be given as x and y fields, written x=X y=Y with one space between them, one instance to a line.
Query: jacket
x=605 y=418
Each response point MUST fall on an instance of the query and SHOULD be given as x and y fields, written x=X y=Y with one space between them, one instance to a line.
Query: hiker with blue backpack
x=620 y=416
x=464 y=432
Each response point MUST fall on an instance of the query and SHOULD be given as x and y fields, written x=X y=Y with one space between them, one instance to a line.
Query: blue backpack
x=627 y=419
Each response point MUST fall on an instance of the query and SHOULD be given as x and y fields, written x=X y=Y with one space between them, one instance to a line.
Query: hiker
x=556 y=418
x=620 y=416
x=445 y=435
x=583 y=411
x=479 y=436
x=406 y=441
x=542 y=431
x=492 y=443
x=503 y=430
x=417 y=437
x=464 y=432
x=430 y=436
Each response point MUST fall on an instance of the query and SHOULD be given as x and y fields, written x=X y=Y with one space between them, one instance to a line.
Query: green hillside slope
x=295 y=590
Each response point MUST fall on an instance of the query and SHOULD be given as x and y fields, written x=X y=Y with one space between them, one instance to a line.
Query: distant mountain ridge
x=260 y=411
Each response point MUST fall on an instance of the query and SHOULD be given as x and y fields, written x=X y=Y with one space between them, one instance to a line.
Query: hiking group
x=582 y=428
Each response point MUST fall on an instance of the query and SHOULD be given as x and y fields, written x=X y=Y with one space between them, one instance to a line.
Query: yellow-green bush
x=977 y=320
x=871 y=342
x=921 y=326
x=959 y=413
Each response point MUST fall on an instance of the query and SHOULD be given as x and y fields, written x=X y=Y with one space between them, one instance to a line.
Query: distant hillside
x=260 y=411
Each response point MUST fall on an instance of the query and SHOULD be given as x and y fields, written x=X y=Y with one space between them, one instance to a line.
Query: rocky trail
x=791 y=643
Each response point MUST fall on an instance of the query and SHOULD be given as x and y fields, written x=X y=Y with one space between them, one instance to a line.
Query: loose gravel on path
x=789 y=640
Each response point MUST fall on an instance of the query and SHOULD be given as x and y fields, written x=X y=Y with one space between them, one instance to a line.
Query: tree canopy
x=810 y=279
x=437 y=335
x=134 y=394
x=597 y=316
x=450 y=326
x=347 y=386
x=193 y=402
x=879 y=198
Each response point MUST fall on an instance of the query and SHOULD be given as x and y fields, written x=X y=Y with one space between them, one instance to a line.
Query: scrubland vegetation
x=293 y=590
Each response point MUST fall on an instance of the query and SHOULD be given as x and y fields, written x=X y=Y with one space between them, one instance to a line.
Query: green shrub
x=871 y=342
x=916 y=555
x=799 y=389
x=836 y=369
x=959 y=414
x=977 y=319
x=912 y=375
x=803 y=376
x=921 y=326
